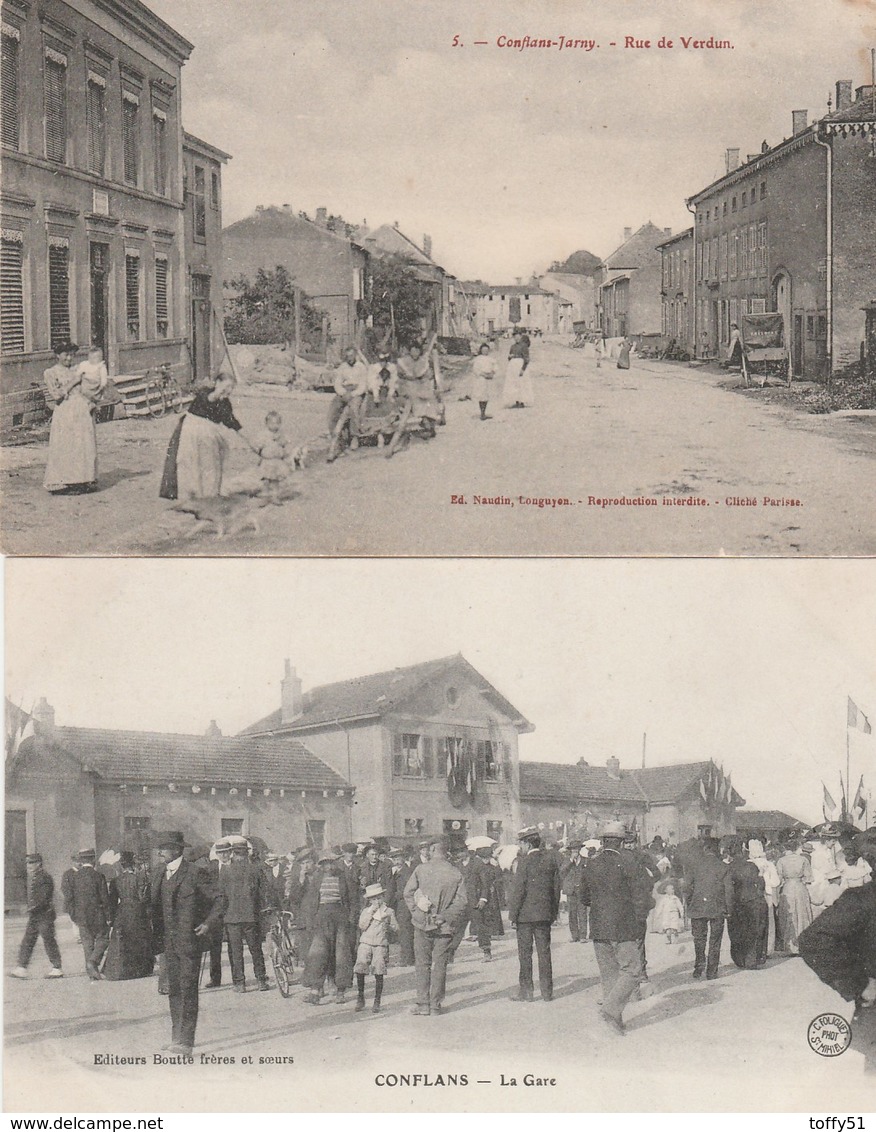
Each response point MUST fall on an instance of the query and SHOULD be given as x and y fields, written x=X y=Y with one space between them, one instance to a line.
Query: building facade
x=576 y=291
x=666 y=801
x=74 y=787
x=93 y=203
x=501 y=307
x=791 y=229
x=435 y=743
x=631 y=281
x=677 y=290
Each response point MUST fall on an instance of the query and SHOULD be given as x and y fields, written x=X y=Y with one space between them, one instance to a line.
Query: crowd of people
x=809 y=895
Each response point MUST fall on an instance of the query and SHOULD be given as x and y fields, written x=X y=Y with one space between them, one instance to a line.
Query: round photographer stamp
x=829 y=1035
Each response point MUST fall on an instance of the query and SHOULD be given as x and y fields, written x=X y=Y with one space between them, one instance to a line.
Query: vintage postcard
x=462 y=279
x=561 y=836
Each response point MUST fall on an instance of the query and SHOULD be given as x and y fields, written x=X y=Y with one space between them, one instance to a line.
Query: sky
x=508 y=158
x=748 y=663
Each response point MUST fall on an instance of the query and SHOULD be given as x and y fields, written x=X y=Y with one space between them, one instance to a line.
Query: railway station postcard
x=450 y=279
x=565 y=836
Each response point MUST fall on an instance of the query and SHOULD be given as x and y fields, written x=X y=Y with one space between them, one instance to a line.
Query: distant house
x=677 y=289
x=669 y=801
x=502 y=306
x=579 y=292
x=327 y=265
x=73 y=787
x=389 y=240
x=629 y=293
x=766 y=825
x=433 y=747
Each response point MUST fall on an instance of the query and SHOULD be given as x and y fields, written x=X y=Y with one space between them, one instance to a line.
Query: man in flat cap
x=90 y=911
x=327 y=912
x=185 y=906
x=350 y=874
x=40 y=919
x=435 y=895
x=617 y=889
x=533 y=905
x=242 y=885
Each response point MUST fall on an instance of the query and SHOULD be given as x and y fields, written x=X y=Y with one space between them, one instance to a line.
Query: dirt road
x=659 y=460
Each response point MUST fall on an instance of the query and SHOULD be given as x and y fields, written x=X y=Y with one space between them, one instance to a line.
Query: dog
x=227 y=515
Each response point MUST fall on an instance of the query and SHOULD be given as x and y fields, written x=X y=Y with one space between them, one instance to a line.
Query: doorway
x=201 y=313
x=782 y=304
x=16 y=852
x=99 y=257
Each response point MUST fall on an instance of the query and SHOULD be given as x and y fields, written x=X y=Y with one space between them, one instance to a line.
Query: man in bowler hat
x=533 y=906
x=185 y=906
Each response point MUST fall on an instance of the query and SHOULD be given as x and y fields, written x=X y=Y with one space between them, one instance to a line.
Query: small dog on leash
x=227 y=515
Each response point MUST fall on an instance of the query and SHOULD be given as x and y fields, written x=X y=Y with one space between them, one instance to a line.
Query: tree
x=578 y=263
x=262 y=312
x=398 y=302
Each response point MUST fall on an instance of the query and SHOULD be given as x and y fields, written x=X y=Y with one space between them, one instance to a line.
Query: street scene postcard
x=390 y=278
x=598 y=839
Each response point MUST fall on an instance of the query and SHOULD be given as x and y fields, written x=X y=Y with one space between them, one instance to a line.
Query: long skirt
x=129 y=955
x=72 y=445
x=200 y=458
x=795 y=913
x=518 y=384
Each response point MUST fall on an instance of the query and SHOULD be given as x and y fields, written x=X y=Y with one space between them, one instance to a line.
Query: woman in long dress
x=518 y=392
x=483 y=373
x=198 y=448
x=129 y=955
x=795 y=910
x=71 y=467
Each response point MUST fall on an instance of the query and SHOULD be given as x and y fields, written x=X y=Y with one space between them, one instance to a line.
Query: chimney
x=764 y=146
x=287 y=207
x=291 y=700
x=44 y=716
x=582 y=762
x=518 y=280
x=863 y=92
x=799 y=121
x=214 y=732
x=427 y=246
x=667 y=231
x=260 y=208
x=843 y=94
x=613 y=767
x=731 y=159
x=627 y=233
x=321 y=216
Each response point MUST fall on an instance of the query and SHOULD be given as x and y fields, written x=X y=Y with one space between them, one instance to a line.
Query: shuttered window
x=132 y=296
x=55 y=104
x=11 y=297
x=199 y=204
x=95 y=115
x=131 y=139
x=161 y=299
x=59 y=294
x=159 y=131
x=214 y=190
x=9 y=82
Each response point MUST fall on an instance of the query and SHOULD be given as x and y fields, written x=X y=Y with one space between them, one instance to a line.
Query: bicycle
x=162 y=392
x=284 y=951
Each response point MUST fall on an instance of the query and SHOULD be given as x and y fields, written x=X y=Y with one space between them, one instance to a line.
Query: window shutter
x=481 y=760
x=96 y=118
x=159 y=127
x=505 y=751
x=397 y=755
x=11 y=297
x=56 y=108
x=132 y=296
x=59 y=294
x=161 y=315
x=199 y=203
x=10 y=84
x=130 y=126
x=428 y=757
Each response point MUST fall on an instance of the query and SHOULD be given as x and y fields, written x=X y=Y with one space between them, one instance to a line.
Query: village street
x=691 y=459
x=738 y=1043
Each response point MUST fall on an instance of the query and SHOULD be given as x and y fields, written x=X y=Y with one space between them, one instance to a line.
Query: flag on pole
x=828 y=806
x=857 y=719
x=860 y=802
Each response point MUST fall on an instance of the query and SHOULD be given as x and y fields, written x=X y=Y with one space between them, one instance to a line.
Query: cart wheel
x=155 y=403
x=173 y=395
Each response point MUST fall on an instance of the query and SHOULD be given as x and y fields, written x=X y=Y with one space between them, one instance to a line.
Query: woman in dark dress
x=196 y=455
x=129 y=955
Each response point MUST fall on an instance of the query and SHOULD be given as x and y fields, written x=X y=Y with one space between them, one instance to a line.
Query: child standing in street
x=375 y=922
x=273 y=452
x=669 y=913
x=484 y=370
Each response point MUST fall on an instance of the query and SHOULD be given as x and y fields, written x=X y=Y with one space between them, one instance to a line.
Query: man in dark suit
x=373 y=870
x=401 y=875
x=90 y=911
x=40 y=919
x=217 y=932
x=242 y=885
x=350 y=867
x=709 y=891
x=570 y=874
x=185 y=906
x=617 y=888
x=478 y=882
x=533 y=906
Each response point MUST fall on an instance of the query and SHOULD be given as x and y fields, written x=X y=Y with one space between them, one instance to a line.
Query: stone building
x=792 y=229
x=503 y=306
x=202 y=175
x=93 y=202
x=74 y=787
x=431 y=748
x=677 y=290
x=669 y=801
x=629 y=292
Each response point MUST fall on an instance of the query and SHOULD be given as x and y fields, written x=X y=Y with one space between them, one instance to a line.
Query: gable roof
x=369 y=697
x=151 y=756
x=393 y=241
x=561 y=782
x=637 y=250
x=273 y=222
x=767 y=819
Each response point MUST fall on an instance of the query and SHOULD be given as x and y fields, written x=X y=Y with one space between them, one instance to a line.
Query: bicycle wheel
x=155 y=403
x=173 y=395
x=282 y=977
